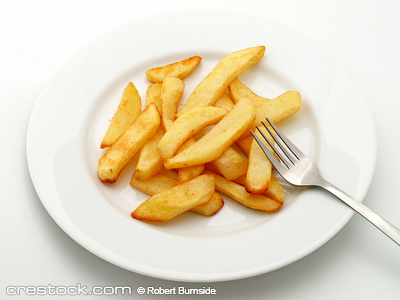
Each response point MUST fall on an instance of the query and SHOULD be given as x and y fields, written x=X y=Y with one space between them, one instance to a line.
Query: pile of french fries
x=201 y=142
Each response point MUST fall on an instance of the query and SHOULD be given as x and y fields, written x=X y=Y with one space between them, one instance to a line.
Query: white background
x=37 y=37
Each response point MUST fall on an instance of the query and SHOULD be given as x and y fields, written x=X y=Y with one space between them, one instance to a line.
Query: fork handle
x=391 y=231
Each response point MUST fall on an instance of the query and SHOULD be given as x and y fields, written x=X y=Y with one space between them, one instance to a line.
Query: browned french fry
x=160 y=182
x=170 y=102
x=188 y=173
x=238 y=90
x=128 y=110
x=218 y=139
x=230 y=164
x=245 y=144
x=128 y=144
x=153 y=94
x=238 y=193
x=277 y=109
x=176 y=200
x=171 y=94
x=154 y=185
x=259 y=170
x=211 y=207
x=225 y=102
x=213 y=169
x=275 y=190
x=187 y=126
x=179 y=69
x=150 y=162
x=211 y=88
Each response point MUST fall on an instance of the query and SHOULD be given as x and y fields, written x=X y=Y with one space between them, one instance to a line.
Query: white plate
x=72 y=113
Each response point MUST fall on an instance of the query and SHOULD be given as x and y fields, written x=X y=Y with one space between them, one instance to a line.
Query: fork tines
x=287 y=154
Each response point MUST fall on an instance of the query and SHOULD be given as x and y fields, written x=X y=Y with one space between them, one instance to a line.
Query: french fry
x=259 y=170
x=238 y=193
x=211 y=207
x=187 y=126
x=211 y=168
x=150 y=162
x=238 y=90
x=128 y=144
x=277 y=109
x=245 y=144
x=175 y=201
x=225 y=102
x=128 y=110
x=170 y=104
x=217 y=81
x=230 y=164
x=171 y=94
x=154 y=185
x=218 y=139
x=275 y=190
x=188 y=173
x=160 y=183
x=179 y=69
x=153 y=94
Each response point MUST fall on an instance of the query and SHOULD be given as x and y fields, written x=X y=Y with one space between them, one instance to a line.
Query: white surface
x=38 y=37
x=86 y=90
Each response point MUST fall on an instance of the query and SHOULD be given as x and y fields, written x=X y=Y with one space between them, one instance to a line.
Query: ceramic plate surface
x=334 y=127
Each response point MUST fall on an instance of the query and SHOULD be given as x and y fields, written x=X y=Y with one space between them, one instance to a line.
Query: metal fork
x=297 y=169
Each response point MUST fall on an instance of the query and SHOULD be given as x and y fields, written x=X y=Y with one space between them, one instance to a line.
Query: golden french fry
x=259 y=170
x=218 y=139
x=230 y=164
x=174 y=201
x=171 y=94
x=275 y=190
x=153 y=94
x=210 y=167
x=225 y=102
x=179 y=69
x=128 y=144
x=188 y=173
x=150 y=162
x=211 y=88
x=211 y=207
x=128 y=110
x=187 y=126
x=277 y=109
x=238 y=90
x=154 y=185
x=160 y=183
x=245 y=144
x=238 y=193
x=170 y=103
